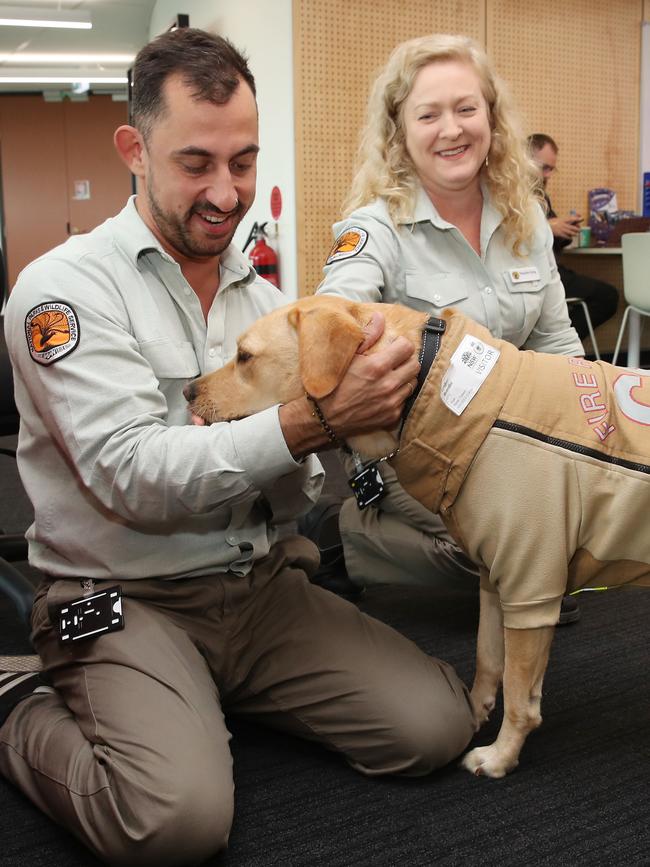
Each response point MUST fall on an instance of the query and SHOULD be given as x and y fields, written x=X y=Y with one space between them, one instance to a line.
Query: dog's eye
x=243 y=356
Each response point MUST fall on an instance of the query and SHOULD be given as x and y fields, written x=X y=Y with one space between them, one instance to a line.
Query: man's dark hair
x=208 y=64
x=538 y=140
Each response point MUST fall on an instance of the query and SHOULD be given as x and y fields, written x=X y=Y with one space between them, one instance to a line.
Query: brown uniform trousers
x=131 y=751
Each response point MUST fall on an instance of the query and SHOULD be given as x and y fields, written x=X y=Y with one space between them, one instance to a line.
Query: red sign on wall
x=276 y=203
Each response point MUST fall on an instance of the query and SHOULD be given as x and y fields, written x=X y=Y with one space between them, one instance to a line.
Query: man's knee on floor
x=183 y=828
x=426 y=733
x=430 y=740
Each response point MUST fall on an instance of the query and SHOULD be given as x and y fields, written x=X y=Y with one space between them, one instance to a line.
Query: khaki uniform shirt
x=104 y=332
x=427 y=264
x=544 y=477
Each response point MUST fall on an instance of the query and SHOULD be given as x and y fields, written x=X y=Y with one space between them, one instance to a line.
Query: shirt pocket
x=438 y=290
x=170 y=360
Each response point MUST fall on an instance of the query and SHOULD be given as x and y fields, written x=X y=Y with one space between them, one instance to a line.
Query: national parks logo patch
x=52 y=331
x=349 y=243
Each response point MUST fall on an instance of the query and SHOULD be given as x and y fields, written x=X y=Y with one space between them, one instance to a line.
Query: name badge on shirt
x=524 y=275
x=469 y=367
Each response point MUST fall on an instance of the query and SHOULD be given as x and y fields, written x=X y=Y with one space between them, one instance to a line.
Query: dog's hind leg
x=526 y=658
x=489 y=656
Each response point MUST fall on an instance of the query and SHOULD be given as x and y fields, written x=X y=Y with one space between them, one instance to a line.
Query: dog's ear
x=327 y=342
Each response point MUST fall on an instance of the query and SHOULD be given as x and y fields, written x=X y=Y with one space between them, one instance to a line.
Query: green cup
x=584 y=238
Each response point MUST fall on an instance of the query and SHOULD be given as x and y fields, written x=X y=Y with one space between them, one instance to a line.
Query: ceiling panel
x=119 y=27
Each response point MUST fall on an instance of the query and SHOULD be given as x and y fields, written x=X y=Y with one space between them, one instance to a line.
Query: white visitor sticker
x=468 y=369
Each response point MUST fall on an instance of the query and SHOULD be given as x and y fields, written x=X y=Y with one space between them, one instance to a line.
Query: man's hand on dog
x=370 y=396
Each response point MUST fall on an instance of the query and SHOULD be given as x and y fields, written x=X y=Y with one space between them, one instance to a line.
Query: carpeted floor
x=581 y=795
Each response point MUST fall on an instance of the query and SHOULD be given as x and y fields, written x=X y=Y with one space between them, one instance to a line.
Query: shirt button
x=212 y=352
x=231 y=540
x=488 y=290
x=436 y=298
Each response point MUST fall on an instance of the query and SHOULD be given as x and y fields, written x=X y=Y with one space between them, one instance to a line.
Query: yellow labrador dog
x=538 y=464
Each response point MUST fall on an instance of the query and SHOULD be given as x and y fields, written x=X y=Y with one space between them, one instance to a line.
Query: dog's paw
x=487 y=762
x=482 y=706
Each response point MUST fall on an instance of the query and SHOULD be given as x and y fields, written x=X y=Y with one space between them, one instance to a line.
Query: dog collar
x=431 y=338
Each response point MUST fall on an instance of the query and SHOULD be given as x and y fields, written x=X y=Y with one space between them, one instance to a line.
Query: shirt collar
x=425 y=211
x=133 y=235
x=135 y=238
x=235 y=267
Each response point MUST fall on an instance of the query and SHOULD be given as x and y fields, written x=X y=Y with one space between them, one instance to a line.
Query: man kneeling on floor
x=165 y=532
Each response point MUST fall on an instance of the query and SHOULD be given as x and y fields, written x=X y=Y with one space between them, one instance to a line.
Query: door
x=60 y=173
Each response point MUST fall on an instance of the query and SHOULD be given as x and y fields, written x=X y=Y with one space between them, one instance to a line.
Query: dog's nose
x=189 y=392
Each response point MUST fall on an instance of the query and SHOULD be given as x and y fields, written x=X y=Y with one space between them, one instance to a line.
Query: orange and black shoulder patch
x=52 y=331
x=348 y=244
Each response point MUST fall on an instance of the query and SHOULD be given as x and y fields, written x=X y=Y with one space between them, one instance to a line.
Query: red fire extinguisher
x=262 y=257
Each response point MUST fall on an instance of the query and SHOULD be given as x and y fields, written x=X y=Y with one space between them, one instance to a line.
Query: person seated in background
x=601 y=298
x=444 y=210
x=126 y=743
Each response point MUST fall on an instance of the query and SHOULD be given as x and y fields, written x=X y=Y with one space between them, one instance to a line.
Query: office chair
x=13 y=547
x=636 y=289
x=590 y=328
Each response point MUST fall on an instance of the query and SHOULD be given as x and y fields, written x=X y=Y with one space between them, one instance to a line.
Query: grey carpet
x=581 y=795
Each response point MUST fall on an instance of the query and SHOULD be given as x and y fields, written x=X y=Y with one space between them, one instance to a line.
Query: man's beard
x=178 y=235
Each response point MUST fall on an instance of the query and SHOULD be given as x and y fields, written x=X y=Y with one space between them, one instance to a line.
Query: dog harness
x=434 y=328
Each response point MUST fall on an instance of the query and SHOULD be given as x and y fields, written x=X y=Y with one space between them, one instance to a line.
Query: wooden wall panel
x=34 y=188
x=573 y=67
x=339 y=46
x=45 y=147
x=91 y=156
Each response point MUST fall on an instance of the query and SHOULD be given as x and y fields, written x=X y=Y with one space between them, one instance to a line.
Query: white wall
x=263 y=31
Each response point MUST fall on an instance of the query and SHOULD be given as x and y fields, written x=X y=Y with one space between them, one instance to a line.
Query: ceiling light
x=14 y=16
x=60 y=79
x=54 y=59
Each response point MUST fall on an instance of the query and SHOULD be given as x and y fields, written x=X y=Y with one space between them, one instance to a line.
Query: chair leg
x=634 y=340
x=621 y=331
x=592 y=336
x=590 y=328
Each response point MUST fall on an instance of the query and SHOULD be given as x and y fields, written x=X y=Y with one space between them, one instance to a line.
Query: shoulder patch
x=348 y=244
x=52 y=331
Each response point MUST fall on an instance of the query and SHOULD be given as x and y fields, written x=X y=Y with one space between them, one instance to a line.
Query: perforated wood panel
x=339 y=46
x=573 y=67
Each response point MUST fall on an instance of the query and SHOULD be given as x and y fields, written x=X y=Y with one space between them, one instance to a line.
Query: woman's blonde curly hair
x=384 y=168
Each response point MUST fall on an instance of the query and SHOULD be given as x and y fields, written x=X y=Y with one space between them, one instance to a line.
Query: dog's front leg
x=489 y=657
x=526 y=658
